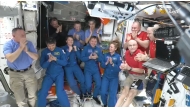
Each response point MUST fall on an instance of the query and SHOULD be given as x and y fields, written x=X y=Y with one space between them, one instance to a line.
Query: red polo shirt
x=152 y=52
x=152 y=49
x=142 y=36
x=130 y=60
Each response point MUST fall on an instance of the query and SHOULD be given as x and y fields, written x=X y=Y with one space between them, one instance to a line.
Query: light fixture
x=127 y=6
x=91 y=4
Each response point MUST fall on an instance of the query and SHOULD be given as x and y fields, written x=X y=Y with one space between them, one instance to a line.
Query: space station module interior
x=170 y=87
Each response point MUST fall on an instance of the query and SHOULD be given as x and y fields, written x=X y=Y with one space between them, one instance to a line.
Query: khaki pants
x=20 y=82
x=131 y=77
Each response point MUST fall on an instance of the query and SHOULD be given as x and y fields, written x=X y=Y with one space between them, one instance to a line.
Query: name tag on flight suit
x=56 y=53
x=89 y=50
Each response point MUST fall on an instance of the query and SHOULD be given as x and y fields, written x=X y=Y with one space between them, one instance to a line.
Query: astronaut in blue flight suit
x=53 y=59
x=91 y=55
x=110 y=79
x=72 y=69
x=78 y=35
x=93 y=31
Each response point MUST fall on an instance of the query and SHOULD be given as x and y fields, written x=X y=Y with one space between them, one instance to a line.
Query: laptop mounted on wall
x=167 y=56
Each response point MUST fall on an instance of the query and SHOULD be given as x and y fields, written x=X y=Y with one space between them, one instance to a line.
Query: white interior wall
x=6 y=26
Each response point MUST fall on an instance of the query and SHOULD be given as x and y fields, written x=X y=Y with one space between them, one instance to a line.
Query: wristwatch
x=130 y=69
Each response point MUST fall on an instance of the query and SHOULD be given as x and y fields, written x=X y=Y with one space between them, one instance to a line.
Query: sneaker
x=86 y=95
x=81 y=103
x=97 y=100
x=104 y=105
x=81 y=96
x=89 y=95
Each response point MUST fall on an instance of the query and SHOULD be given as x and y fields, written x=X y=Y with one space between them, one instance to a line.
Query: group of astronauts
x=63 y=61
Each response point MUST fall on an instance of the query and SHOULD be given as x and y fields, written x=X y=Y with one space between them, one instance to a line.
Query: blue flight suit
x=110 y=79
x=54 y=73
x=91 y=68
x=73 y=70
x=81 y=36
x=87 y=34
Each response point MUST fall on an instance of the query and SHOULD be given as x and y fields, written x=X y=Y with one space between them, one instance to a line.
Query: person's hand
x=98 y=30
x=134 y=34
x=111 y=62
x=141 y=57
x=127 y=67
x=23 y=43
x=77 y=37
x=129 y=37
x=50 y=58
x=70 y=48
x=75 y=48
x=60 y=28
x=95 y=56
x=90 y=57
x=53 y=58
x=26 y=49
x=107 y=61
x=91 y=32
x=124 y=66
x=74 y=36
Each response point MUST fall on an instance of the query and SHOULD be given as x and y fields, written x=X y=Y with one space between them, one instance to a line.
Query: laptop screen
x=163 y=51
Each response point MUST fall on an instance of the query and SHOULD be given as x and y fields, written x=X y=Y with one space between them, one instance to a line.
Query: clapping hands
x=124 y=66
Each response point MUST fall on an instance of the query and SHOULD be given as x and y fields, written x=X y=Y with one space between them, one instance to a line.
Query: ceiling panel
x=69 y=12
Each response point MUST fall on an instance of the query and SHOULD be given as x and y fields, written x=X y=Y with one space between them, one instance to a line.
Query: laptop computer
x=167 y=56
x=184 y=76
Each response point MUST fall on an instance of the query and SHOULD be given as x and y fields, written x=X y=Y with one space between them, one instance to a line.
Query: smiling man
x=20 y=54
x=53 y=59
x=139 y=36
x=135 y=82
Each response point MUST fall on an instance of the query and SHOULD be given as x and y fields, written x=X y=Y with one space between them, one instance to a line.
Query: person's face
x=69 y=41
x=132 y=46
x=93 y=42
x=77 y=27
x=51 y=47
x=135 y=27
x=19 y=34
x=92 y=24
x=150 y=33
x=112 y=48
x=54 y=24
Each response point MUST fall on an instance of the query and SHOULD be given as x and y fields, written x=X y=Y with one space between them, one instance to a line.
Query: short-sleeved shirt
x=24 y=60
x=81 y=36
x=142 y=36
x=152 y=49
x=152 y=53
x=87 y=34
x=130 y=60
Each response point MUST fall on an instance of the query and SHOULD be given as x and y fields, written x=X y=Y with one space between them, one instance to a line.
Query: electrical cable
x=119 y=11
x=140 y=11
